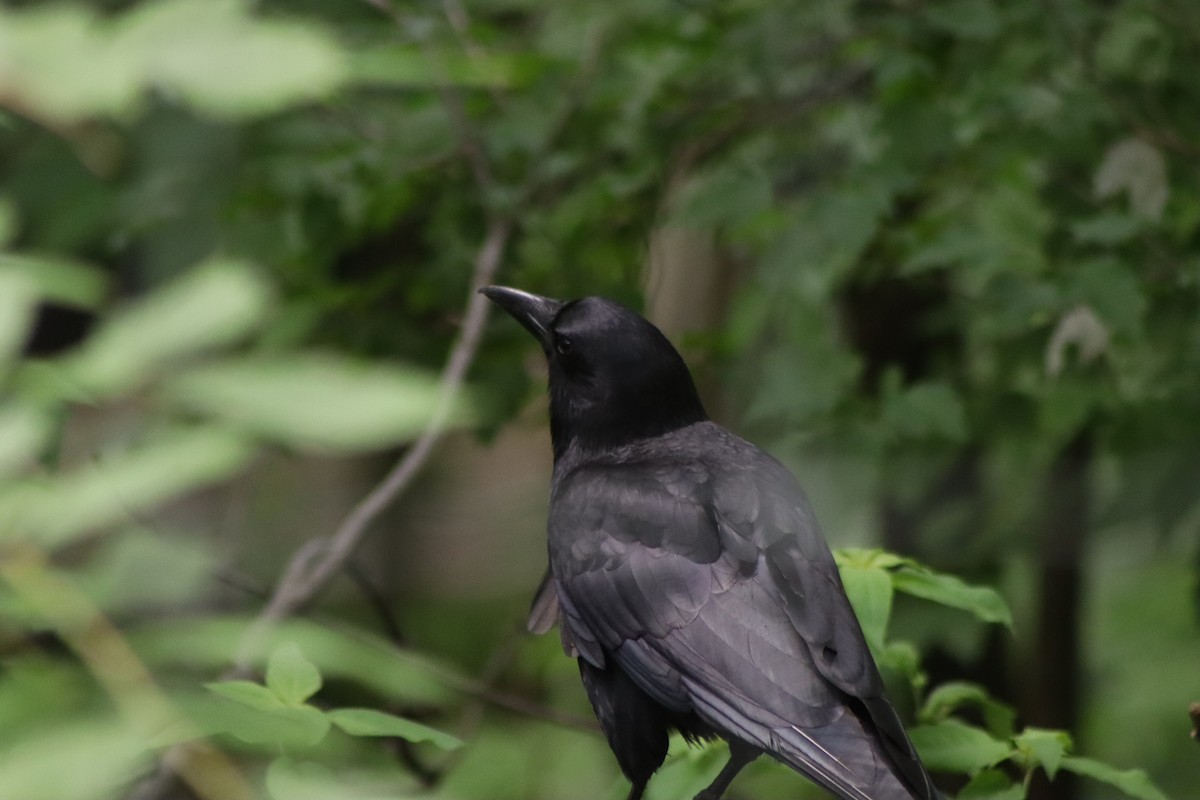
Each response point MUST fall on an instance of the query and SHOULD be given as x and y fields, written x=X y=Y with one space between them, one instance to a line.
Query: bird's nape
x=614 y=377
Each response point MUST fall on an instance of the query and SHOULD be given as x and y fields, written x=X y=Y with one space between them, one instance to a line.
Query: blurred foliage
x=961 y=238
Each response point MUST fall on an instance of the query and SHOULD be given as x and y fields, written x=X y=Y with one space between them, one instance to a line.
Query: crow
x=689 y=576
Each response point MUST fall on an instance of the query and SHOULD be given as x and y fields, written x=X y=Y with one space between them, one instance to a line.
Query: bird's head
x=614 y=377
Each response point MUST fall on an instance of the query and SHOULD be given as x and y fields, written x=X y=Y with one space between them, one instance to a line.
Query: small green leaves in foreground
x=871 y=577
x=211 y=306
x=172 y=346
x=953 y=746
x=291 y=779
x=1133 y=782
x=56 y=510
x=992 y=784
x=948 y=697
x=947 y=744
x=920 y=581
x=317 y=402
x=369 y=722
x=281 y=715
x=64 y=63
x=397 y=675
x=26 y=281
x=291 y=676
x=1044 y=748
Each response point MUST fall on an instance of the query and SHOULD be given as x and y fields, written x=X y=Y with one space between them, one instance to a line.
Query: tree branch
x=311 y=567
x=318 y=559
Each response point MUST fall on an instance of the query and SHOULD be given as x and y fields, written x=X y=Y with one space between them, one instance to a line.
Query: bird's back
x=693 y=562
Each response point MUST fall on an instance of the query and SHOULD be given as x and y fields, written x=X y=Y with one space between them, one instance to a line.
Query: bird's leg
x=740 y=754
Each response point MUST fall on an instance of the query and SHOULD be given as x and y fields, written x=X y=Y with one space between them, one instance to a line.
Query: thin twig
x=531 y=709
x=319 y=559
x=376 y=600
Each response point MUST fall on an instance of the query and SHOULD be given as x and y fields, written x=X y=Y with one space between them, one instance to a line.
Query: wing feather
x=731 y=610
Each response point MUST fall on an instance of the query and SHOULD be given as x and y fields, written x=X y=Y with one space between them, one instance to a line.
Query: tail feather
x=845 y=756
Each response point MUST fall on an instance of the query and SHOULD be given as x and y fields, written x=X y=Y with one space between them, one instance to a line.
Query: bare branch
x=377 y=601
x=317 y=560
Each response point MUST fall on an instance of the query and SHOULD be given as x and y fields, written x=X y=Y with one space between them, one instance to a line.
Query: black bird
x=689 y=575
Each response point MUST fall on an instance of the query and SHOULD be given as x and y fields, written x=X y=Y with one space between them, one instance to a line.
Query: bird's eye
x=563 y=345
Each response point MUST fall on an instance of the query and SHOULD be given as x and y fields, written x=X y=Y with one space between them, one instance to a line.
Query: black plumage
x=689 y=575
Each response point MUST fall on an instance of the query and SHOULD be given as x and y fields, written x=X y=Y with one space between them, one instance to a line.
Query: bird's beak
x=533 y=311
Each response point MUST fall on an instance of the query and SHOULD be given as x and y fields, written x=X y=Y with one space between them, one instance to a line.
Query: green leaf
x=9 y=222
x=57 y=279
x=288 y=779
x=817 y=252
x=867 y=558
x=23 y=434
x=212 y=305
x=992 y=784
x=291 y=676
x=369 y=722
x=953 y=746
x=904 y=659
x=409 y=66
x=870 y=593
x=1133 y=782
x=730 y=193
x=57 y=54
x=1111 y=288
x=1106 y=229
x=248 y=693
x=1045 y=748
x=318 y=402
x=37 y=688
x=144 y=570
x=212 y=54
x=94 y=759
x=1134 y=44
x=687 y=770
x=949 y=697
x=952 y=246
x=291 y=779
x=966 y=19
x=272 y=722
x=306 y=726
x=219 y=59
x=58 y=509
x=346 y=654
x=983 y=602
x=247 y=717
x=18 y=299
x=930 y=410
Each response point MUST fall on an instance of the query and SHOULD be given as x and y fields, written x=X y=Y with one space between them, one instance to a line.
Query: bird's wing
x=543 y=611
x=718 y=596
